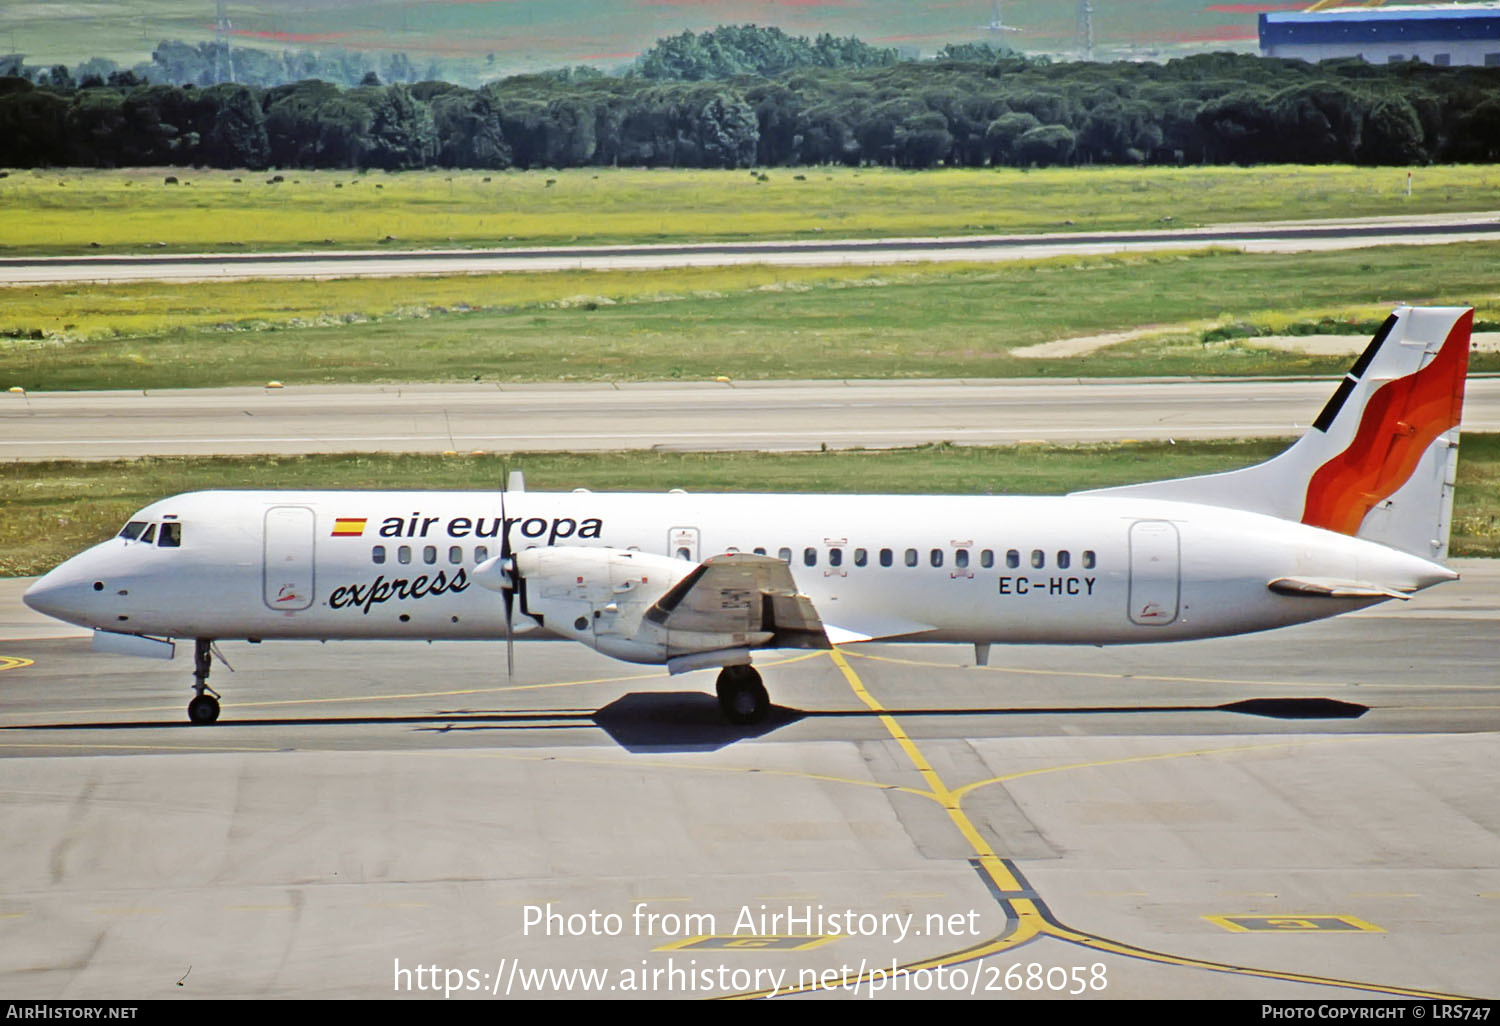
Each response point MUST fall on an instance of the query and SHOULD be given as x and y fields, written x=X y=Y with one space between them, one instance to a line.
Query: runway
x=772 y=415
x=1275 y=237
x=1123 y=812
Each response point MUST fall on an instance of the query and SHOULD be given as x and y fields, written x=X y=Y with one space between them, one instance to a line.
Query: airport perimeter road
x=368 y=807
x=699 y=416
x=1278 y=237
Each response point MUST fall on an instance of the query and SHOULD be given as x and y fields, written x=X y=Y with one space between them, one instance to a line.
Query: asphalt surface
x=1278 y=237
x=752 y=415
x=363 y=808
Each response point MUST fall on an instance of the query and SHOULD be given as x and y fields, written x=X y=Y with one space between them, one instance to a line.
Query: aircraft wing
x=740 y=592
x=745 y=593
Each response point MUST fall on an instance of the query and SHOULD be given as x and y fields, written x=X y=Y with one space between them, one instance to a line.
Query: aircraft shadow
x=690 y=721
x=530 y=719
x=681 y=721
x=1271 y=708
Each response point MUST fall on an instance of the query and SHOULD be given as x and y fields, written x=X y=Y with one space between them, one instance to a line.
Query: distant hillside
x=524 y=36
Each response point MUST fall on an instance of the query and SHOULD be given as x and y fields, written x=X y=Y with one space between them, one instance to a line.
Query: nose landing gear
x=204 y=708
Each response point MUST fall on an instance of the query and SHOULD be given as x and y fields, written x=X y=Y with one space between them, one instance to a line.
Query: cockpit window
x=171 y=535
x=132 y=530
x=150 y=535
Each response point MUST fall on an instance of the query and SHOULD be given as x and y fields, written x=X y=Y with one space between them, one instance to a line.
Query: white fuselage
x=1075 y=569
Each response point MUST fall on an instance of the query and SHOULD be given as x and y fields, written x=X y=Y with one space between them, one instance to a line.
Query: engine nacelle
x=602 y=597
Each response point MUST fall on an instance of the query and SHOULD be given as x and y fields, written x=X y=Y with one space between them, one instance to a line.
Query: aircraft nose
x=58 y=594
x=44 y=595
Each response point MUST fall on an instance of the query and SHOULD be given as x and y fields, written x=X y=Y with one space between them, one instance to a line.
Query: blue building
x=1440 y=34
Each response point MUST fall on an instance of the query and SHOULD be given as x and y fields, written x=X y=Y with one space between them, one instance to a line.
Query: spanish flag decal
x=349 y=527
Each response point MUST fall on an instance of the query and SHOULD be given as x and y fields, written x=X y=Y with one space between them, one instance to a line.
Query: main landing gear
x=742 y=696
x=204 y=708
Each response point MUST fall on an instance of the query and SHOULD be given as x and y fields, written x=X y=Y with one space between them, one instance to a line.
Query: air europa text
x=554 y=530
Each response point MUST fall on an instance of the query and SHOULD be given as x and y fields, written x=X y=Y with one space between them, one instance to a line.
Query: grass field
x=923 y=321
x=71 y=212
x=48 y=511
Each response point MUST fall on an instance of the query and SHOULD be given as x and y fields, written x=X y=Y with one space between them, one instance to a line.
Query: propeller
x=508 y=593
x=499 y=573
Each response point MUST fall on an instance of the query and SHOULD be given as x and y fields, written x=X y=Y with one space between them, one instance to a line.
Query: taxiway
x=363 y=807
x=768 y=415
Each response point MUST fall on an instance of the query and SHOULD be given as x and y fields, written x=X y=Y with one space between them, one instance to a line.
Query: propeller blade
x=510 y=650
x=508 y=595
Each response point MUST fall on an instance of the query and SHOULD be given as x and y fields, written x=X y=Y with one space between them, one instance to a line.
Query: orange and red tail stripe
x=1399 y=422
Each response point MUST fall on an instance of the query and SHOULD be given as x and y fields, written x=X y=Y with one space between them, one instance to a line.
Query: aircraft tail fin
x=1379 y=462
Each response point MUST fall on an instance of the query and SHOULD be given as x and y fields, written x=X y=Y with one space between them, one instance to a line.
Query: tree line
x=1005 y=111
x=723 y=52
x=174 y=62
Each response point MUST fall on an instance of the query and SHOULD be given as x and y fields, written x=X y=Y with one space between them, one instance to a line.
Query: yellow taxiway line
x=1029 y=916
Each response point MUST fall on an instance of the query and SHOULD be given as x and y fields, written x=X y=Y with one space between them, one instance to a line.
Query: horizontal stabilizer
x=1324 y=587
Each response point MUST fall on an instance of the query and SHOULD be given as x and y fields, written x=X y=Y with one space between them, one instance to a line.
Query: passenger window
x=1012 y=559
x=987 y=558
x=171 y=536
x=1064 y=560
x=150 y=536
x=132 y=530
x=429 y=554
x=911 y=557
x=455 y=554
x=861 y=557
x=377 y=555
x=403 y=555
x=481 y=553
x=887 y=557
x=961 y=558
x=937 y=557
x=835 y=557
x=809 y=557
x=1038 y=558
x=1088 y=559
x=760 y=550
x=785 y=555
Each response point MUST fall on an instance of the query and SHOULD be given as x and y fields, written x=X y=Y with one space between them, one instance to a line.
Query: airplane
x=1357 y=511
